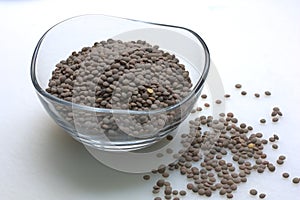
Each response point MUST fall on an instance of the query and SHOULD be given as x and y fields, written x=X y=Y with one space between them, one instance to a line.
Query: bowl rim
x=196 y=89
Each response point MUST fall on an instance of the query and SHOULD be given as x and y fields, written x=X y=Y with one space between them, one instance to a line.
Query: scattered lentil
x=275 y=119
x=267 y=93
x=280 y=162
x=263 y=121
x=146 y=177
x=198 y=109
x=253 y=192
x=285 y=175
x=281 y=157
x=215 y=173
x=175 y=192
x=206 y=105
x=182 y=192
x=160 y=182
x=296 y=180
x=203 y=96
x=262 y=195
x=218 y=101
x=169 y=137
x=274 y=146
x=238 y=86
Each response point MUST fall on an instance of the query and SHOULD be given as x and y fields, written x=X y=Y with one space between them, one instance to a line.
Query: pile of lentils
x=203 y=158
x=113 y=74
x=130 y=75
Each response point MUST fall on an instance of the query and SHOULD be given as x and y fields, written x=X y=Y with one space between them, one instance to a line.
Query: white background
x=256 y=43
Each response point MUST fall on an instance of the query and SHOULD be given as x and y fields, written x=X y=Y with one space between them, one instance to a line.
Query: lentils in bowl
x=122 y=93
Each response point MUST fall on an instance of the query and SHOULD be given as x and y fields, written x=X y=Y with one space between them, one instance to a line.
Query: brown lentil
x=268 y=93
x=155 y=191
x=182 y=192
x=280 y=162
x=160 y=182
x=262 y=195
x=275 y=119
x=218 y=101
x=175 y=192
x=169 y=137
x=296 y=180
x=285 y=175
x=198 y=109
x=253 y=192
x=203 y=96
x=262 y=121
x=146 y=177
x=238 y=86
x=282 y=157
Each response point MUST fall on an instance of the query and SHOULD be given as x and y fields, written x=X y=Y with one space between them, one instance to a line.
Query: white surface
x=256 y=43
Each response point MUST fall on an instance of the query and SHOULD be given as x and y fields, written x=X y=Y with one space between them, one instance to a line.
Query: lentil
x=263 y=121
x=253 y=192
x=182 y=192
x=218 y=101
x=262 y=195
x=203 y=96
x=296 y=180
x=238 y=86
x=146 y=177
x=285 y=175
x=267 y=93
x=243 y=93
x=274 y=146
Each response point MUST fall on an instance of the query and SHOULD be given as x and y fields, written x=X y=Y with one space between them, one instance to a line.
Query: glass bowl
x=117 y=129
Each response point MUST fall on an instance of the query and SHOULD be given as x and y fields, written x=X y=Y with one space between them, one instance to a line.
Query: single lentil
x=203 y=96
x=218 y=101
x=253 y=192
x=267 y=93
x=296 y=180
x=146 y=177
x=285 y=175
x=263 y=121
x=238 y=86
x=262 y=195
x=182 y=192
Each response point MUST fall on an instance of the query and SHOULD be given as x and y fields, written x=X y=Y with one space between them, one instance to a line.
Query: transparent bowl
x=116 y=129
